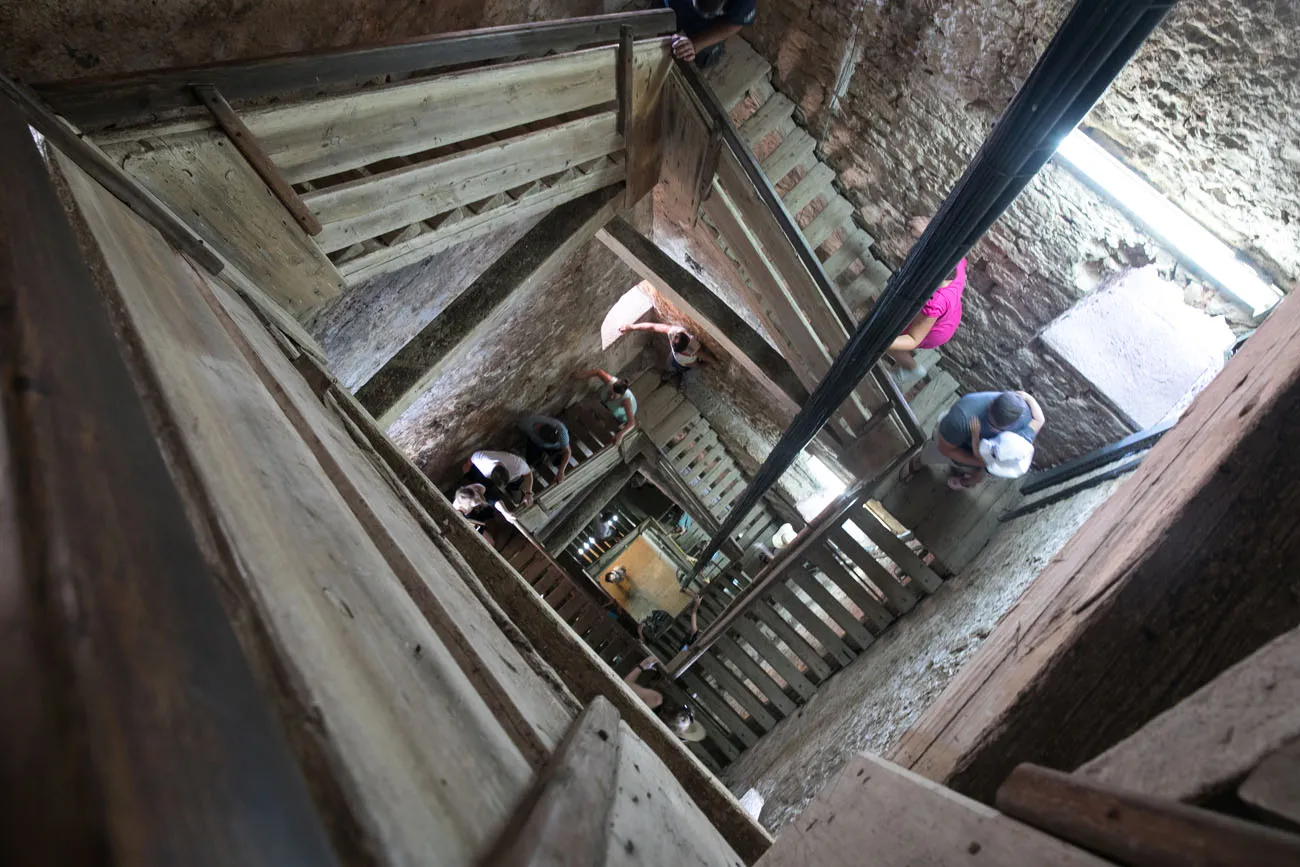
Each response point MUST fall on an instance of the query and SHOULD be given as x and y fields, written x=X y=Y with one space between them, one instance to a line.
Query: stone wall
x=927 y=82
x=52 y=41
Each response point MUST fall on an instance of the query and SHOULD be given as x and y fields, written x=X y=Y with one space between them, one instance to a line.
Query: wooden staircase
x=788 y=156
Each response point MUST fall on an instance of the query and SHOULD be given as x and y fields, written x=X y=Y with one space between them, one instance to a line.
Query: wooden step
x=832 y=217
x=767 y=119
x=795 y=150
x=857 y=244
x=810 y=187
x=740 y=69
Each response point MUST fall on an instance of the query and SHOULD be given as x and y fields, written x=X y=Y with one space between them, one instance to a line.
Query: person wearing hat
x=680 y=719
x=548 y=439
x=984 y=432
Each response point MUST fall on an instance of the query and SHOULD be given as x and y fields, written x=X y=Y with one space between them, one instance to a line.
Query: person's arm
x=695 y=613
x=1036 y=417
x=566 y=455
x=686 y=48
x=646 y=326
x=526 y=481
x=915 y=333
x=595 y=373
x=630 y=425
x=957 y=453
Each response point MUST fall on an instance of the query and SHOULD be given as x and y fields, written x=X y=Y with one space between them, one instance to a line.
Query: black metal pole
x=1087 y=52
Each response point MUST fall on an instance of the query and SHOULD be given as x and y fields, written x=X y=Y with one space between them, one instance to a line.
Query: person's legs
x=710 y=56
x=904 y=357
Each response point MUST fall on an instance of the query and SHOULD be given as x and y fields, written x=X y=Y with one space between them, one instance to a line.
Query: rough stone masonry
x=901 y=94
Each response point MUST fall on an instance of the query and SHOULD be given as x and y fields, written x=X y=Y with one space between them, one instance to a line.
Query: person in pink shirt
x=934 y=325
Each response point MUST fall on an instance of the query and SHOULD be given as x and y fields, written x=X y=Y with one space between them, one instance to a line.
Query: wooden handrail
x=96 y=103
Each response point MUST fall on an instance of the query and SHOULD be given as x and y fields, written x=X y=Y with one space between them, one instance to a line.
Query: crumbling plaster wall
x=927 y=81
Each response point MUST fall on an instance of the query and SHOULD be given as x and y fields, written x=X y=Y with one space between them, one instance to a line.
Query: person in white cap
x=680 y=719
x=958 y=441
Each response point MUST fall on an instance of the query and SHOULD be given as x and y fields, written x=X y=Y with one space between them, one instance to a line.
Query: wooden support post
x=623 y=80
x=1183 y=572
x=565 y=818
x=247 y=145
x=533 y=259
x=1139 y=830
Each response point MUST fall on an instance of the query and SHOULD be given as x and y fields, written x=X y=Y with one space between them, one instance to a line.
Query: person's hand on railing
x=683 y=48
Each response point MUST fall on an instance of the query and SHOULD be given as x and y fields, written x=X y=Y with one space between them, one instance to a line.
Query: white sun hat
x=1007 y=455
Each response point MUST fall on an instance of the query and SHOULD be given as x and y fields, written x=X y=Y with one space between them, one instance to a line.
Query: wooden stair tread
x=740 y=68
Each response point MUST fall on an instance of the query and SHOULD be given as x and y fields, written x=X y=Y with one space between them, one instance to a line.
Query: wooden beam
x=1183 y=572
x=93 y=162
x=565 y=818
x=1139 y=830
x=1274 y=786
x=533 y=259
x=383 y=202
x=595 y=501
x=202 y=176
x=878 y=813
x=118 y=645
x=461 y=225
x=94 y=103
x=1231 y=724
x=685 y=292
x=247 y=144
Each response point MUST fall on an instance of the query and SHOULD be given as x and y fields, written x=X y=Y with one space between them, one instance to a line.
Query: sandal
x=909 y=470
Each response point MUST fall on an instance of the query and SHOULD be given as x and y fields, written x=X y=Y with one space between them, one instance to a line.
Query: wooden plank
x=532 y=260
x=377 y=203
x=654 y=822
x=830 y=218
x=137 y=97
x=569 y=186
x=710 y=699
x=1274 y=786
x=1231 y=725
x=901 y=599
x=767 y=119
x=117 y=643
x=651 y=65
x=795 y=150
x=321 y=137
x=727 y=648
x=809 y=655
x=247 y=144
x=903 y=820
x=565 y=819
x=810 y=186
x=857 y=243
x=203 y=177
x=1207 y=518
x=623 y=80
x=876 y=616
x=853 y=630
x=740 y=69
x=686 y=168
x=322 y=597
x=770 y=653
x=896 y=549
x=744 y=696
x=1136 y=829
x=95 y=163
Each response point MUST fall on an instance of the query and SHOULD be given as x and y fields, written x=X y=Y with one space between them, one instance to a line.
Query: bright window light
x=1168 y=223
x=830 y=486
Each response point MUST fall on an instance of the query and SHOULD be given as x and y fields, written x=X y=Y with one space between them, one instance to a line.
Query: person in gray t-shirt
x=548 y=439
x=975 y=417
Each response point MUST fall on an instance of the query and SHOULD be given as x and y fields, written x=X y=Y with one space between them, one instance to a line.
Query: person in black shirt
x=703 y=26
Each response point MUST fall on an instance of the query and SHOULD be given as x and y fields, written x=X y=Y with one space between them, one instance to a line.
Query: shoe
x=905 y=378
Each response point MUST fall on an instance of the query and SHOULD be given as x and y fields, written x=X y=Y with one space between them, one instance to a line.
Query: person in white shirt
x=501 y=473
x=684 y=349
